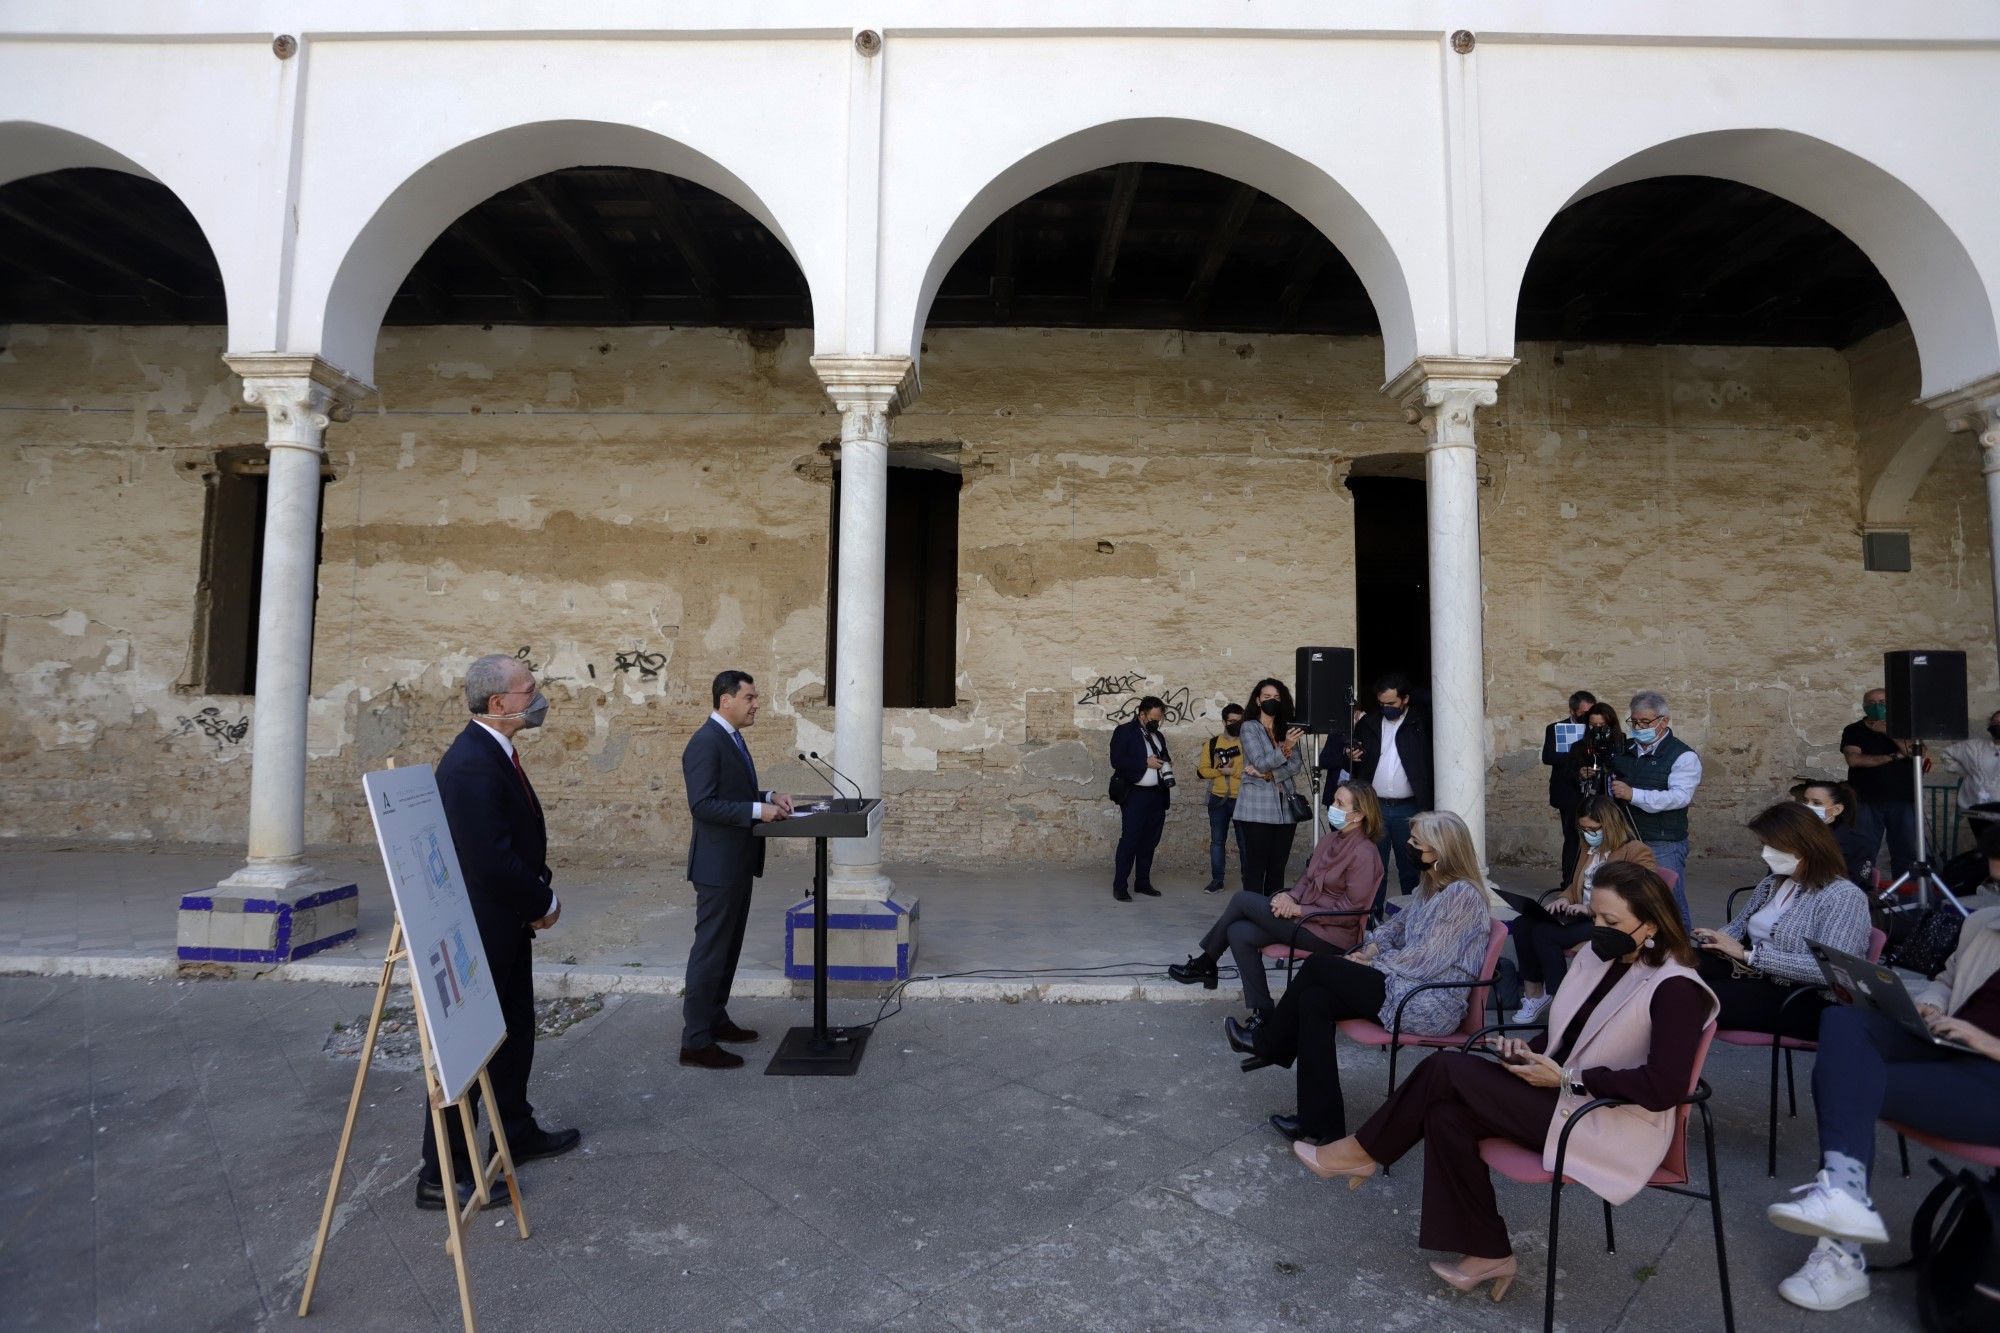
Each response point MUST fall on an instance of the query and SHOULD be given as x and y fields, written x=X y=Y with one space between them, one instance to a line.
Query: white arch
x=355 y=295
x=1292 y=180
x=1925 y=264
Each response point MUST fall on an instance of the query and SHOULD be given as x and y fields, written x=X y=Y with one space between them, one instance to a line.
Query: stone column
x=881 y=937
x=1442 y=395
x=277 y=906
x=1975 y=410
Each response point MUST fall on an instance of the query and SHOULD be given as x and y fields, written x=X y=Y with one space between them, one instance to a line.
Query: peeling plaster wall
x=1141 y=512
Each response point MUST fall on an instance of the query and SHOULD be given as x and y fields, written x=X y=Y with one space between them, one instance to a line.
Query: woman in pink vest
x=1626 y=1022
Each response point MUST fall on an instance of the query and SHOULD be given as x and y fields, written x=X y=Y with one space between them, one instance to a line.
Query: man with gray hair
x=1656 y=777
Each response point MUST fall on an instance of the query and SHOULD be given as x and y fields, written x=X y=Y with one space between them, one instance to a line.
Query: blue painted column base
x=219 y=927
x=867 y=939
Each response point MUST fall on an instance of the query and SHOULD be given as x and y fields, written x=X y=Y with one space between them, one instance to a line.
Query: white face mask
x=1781 y=863
x=1824 y=812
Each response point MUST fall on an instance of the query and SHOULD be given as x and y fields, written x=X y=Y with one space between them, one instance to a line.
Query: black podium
x=819 y=1049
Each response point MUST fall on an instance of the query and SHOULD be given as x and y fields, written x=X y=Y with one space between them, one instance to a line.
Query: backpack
x=1955 y=1252
x=1925 y=937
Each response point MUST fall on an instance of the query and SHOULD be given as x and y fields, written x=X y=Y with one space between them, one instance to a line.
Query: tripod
x=1921 y=870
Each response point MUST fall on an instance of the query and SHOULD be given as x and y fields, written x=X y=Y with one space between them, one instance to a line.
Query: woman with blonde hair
x=1542 y=943
x=1439 y=937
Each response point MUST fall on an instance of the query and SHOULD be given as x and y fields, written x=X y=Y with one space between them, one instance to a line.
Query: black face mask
x=1994 y=731
x=1611 y=943
x=1269 y=708
x=1390 y=712
x=1153 y=727
x=1234 y=728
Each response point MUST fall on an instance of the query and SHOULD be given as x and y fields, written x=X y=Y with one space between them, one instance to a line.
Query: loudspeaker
x=1926 y=695
x=1324 y=691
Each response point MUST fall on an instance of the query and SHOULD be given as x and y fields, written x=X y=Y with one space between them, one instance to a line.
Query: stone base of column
x=225 y=926
x=867 y=939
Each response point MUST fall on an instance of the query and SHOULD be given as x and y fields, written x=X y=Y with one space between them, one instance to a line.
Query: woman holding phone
x=1270 y=763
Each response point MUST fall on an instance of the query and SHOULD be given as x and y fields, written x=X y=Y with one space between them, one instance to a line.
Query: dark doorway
x=1392 y=607
x=919 y=587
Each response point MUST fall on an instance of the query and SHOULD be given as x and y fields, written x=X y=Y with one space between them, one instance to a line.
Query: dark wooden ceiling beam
x=67 y=295
x=1004 y=236
x=525 y=289
x=671 y=212
x=427 y=295
x=158 y=230
x=156 y=294
x=1124 y=188
x=1314 y=251
x=1220 y=241
x=583 y=236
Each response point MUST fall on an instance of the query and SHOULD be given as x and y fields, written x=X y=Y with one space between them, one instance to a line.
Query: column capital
x=301 y=395
x=1973 y=409
x=1441 y=394
x=877 y=385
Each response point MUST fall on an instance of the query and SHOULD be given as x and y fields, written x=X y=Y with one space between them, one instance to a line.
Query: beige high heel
x=1468 y=1273
x=1309 y=1154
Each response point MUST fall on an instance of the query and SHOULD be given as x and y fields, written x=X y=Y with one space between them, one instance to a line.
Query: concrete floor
x=993 y=1167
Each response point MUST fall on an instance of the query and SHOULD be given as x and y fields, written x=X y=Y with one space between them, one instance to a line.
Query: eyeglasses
x=1646 y=721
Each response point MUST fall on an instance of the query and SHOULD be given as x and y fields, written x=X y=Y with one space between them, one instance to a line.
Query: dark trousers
x=1267 y=850
x=1896 y=818
x=1326 y=990
x=1244 y=928
x=1572 y=841
x=1449 y=1103
x=721 y=911
x=1541 y=948
x=1759 y=1004
x=1395 y=846
x=1221 y=814
x=508 y=1069
x=1870 y=1069
x=1142 y=819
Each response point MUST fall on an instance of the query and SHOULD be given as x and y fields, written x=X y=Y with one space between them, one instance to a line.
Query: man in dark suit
x=496 y=826
x=723 y=860
x=1139 y=756
x=1391 y=752
x=1564 y=793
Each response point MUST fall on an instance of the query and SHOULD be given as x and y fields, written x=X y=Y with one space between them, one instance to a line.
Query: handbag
x=1925 y=937
x=1955 y=1252
x=1297 y=806
x=1118 y=790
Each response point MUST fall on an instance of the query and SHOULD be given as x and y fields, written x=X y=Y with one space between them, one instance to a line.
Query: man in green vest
x=1656 y=777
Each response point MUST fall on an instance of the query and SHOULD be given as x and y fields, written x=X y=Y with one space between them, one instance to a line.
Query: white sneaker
x=1829 y=1281
x=1826 y=1211
x=1532 y=1009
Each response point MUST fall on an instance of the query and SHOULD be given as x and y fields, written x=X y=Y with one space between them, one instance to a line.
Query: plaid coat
x=1264 y=802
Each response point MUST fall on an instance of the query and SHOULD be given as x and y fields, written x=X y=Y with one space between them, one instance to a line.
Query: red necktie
x=526 y=785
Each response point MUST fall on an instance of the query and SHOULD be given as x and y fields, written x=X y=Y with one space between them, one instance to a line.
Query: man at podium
x=723 y=860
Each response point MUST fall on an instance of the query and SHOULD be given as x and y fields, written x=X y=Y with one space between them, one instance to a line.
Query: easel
x=484 y=1175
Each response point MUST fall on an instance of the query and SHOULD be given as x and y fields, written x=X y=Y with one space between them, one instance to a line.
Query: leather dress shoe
x=430 y=1195
x=710 y=1056
x=540 y=1143
x=1288 y=1125
x=1242 y=1040
x=1119 y=892
x=727 y=1030
x=1148 y=890
x=1195 y=971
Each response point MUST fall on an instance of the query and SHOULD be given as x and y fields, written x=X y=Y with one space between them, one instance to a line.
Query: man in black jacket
x=1402 y=778
x=1139 y=756
x=723 y=860
x=1564 y=793
x=496 y=825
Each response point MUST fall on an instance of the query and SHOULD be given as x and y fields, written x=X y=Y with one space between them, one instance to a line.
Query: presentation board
x=448 y=970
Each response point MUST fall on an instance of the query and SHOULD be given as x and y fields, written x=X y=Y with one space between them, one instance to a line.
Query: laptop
x=1873 y=986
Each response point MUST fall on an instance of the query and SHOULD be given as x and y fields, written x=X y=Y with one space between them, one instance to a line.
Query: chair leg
x=1715 y=1220
x=1395 y=1048
x=1555 y=1224
x=1791 y=1085
x=1903 y=1151
x=1771 y=1141
x=1610 y=1236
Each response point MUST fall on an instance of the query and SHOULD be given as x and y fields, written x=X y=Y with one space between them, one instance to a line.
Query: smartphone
x=1516 y=1059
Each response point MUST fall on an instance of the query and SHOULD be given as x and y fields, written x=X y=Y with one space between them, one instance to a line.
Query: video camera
x=1598 y=747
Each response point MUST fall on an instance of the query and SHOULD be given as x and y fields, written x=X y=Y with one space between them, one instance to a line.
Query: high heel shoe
x=1309 y=1154
x=1196 y=968
x=1468 y=1273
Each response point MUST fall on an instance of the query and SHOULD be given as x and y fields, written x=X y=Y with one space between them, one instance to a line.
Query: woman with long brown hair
x=1542 y=943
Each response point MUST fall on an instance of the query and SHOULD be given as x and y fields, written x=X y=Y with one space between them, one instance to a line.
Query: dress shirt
x=1157 y=748
x=1391 y=782
x=756 y=807
x=507 y=748
x=1977 y=762
x=1682 y=779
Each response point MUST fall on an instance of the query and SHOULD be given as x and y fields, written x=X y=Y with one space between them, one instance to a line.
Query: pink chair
x=1291 y=953
x=1524 y=1167
x=1979 y=1154
x=1368 y=1032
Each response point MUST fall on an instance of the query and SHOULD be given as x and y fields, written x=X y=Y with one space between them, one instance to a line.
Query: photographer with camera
x=1391 y=752
x=1558 y=739
x=1139 y=756
x=1589 y=760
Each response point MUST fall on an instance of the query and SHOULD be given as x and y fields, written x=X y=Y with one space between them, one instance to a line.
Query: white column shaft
x=1989 y=455
x=284 y=655
x=857 y=709
x=1458 y=640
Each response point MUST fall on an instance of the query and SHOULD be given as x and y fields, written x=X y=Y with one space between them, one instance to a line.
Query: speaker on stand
x=1926 y=689
x=1323 y=691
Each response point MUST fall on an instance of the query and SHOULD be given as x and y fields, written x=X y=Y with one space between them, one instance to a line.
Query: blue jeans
x=1870 y=1069
x=1395 y=846
x=1221 y=814
x=1898 y=819
x=1674 y=856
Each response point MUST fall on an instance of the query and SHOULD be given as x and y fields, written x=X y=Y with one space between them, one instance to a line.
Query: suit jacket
x=503 y=845
x=720 y=792
x=1413 y=744
x=1129 y=751
x=1565 y=790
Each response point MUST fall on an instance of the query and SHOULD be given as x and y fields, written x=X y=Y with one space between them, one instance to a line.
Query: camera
x=1598 y=748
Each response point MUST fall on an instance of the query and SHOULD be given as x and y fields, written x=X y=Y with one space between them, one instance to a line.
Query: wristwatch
x=1574 y=1078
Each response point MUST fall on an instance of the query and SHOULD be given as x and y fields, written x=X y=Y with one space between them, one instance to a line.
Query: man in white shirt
x=1392 y=753
x=1657 y=776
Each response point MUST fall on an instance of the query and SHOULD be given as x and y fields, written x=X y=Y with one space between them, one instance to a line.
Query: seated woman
x=1838 y=808
x=1626 y=1022
x=1541 y=945
x=1341 y=877
x=1440 y=937
x=1759 y=961
x=1869 y=1068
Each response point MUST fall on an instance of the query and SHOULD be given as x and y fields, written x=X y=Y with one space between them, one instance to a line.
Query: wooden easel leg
x=454 y=1218
x=479 y=1181
x=353 y=1110
x=505 y=1153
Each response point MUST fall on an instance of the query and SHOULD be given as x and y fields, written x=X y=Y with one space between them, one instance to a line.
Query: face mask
x=1611 y=943
x=1233 y=728
x=1646 y=735
x=1336 y=818
x=1875 y=712
x=1391 y=714
x=1994 y=731
x=1593 y=837
x=1269 y=708
x=1825 y=813
x=1153 y=727
x=1781 y=863
x=530 y=717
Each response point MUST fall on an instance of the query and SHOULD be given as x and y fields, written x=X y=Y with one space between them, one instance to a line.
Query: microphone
x=850 y=781
x=821 y=771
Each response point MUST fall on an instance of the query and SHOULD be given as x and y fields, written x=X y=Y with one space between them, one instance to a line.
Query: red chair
x=1979 y=1154
x=1291 y=953
x=1877 y=941
x=1524 y=1167
x=1368 y=1032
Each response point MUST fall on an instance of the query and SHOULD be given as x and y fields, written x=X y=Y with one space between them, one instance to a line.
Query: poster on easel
x=449 y=975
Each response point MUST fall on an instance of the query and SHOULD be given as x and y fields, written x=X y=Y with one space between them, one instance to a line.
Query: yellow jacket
x=1222 y=764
